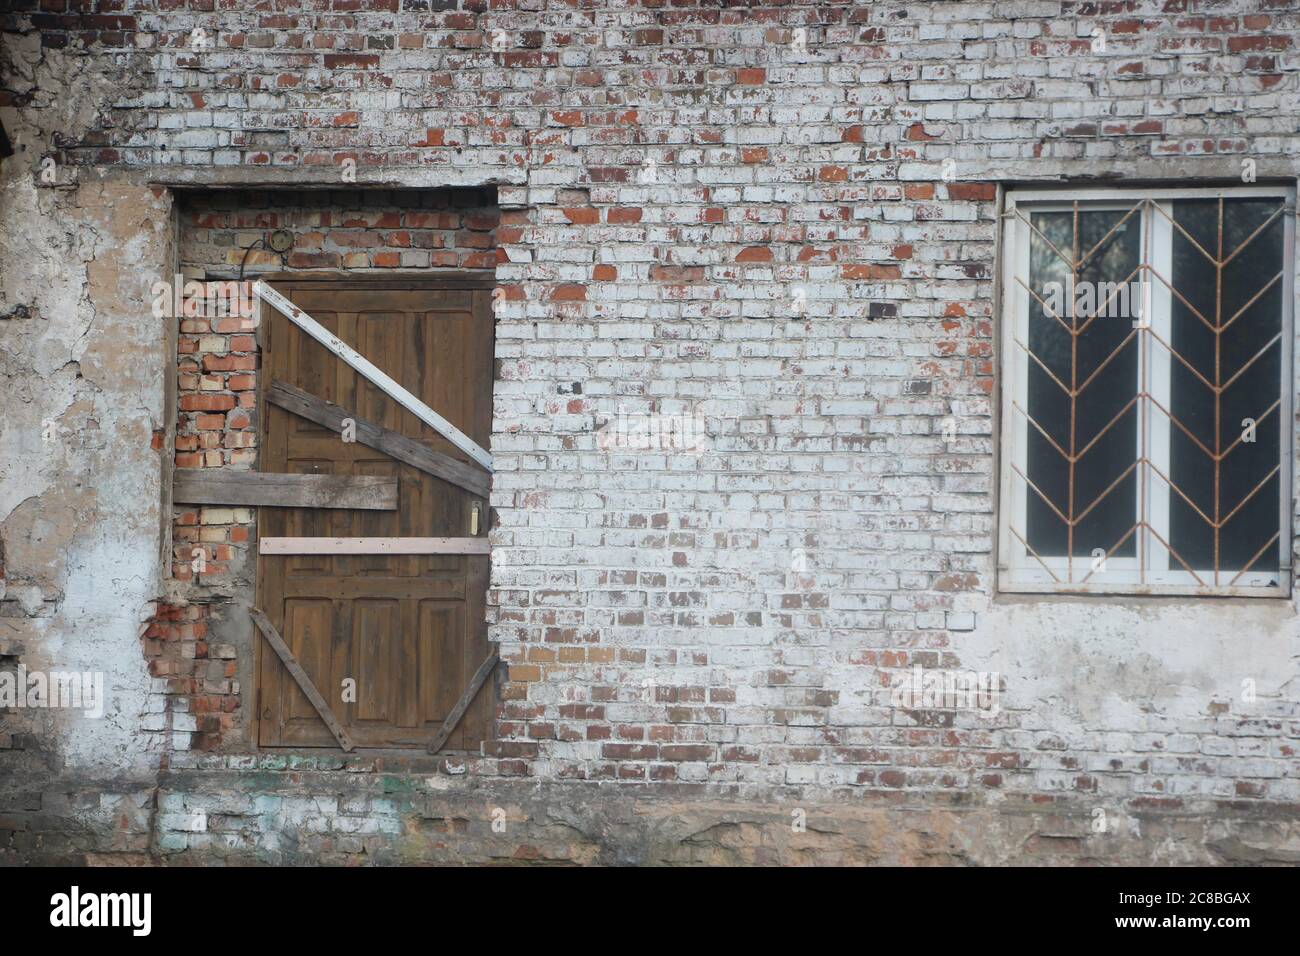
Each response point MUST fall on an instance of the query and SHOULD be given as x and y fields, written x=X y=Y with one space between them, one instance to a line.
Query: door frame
x=477 y=279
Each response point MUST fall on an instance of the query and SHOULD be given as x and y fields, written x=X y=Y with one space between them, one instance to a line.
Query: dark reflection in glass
x=1102 y=423
x=1224 y=301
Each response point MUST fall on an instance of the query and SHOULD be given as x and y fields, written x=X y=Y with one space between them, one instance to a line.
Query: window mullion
x=1159 y=314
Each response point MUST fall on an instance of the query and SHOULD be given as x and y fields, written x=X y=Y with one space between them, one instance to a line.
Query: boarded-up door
x=402 y=634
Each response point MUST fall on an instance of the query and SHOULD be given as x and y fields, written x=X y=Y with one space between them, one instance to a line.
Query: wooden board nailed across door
x=409 y=630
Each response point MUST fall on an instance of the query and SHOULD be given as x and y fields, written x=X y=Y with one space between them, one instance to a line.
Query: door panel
x=409 y=629
x=307 y=632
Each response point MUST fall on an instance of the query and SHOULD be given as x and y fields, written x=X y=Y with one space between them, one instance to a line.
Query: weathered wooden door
x=390 y=641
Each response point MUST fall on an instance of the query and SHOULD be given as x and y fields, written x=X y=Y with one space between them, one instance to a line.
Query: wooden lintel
x=462 y=705
x=408 y=450
x=322 y=545
x=374 y=374
x=295 y=670
x=221 y=486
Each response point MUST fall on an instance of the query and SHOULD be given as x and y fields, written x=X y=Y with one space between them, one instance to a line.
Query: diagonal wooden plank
x=295 y=670
x=408 y=450
x=462 y=705
x=409 y=545
x=220 y=486
x=374 y=373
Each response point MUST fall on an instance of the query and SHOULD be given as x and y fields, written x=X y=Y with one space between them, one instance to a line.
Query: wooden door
x=409 y=631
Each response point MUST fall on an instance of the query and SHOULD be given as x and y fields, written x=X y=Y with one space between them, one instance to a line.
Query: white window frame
x=1152 y=570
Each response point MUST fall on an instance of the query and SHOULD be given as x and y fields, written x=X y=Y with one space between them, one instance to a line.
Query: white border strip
x=375 y=374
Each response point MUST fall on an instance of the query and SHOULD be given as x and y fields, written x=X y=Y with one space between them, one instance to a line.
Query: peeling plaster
x=80 y=484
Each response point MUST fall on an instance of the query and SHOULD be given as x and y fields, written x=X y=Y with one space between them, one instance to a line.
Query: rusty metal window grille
x=1146 y=408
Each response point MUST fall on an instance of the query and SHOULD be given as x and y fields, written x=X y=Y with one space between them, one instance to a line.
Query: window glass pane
x=1091 y=349
x=1226 y=321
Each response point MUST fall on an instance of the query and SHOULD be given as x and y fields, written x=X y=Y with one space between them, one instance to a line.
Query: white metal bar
x=1015 y=388
x=1160 y=437
x=1286 y=419
x=375 y=374
x=372 y=546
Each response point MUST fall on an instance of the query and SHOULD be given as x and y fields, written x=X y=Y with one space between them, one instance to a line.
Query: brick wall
x=341 y=231
x=780 y=221
x=200 y=690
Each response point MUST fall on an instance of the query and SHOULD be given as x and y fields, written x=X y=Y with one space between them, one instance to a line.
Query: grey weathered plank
x=268 y=544
x=295 y=670
x=404 y=449
x=462 y=705
x=219 y=486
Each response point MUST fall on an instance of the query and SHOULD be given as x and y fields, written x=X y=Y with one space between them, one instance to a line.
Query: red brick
x=207 y=402
x=569 y=293
x=975 y=192
x=870 y=272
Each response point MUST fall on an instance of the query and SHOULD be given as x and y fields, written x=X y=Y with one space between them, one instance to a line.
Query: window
x=1146 y=392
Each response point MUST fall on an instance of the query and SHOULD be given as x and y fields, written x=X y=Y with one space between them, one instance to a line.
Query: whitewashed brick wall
x=741 y=214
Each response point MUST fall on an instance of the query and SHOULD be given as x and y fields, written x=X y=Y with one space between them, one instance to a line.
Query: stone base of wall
x=303 y=817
